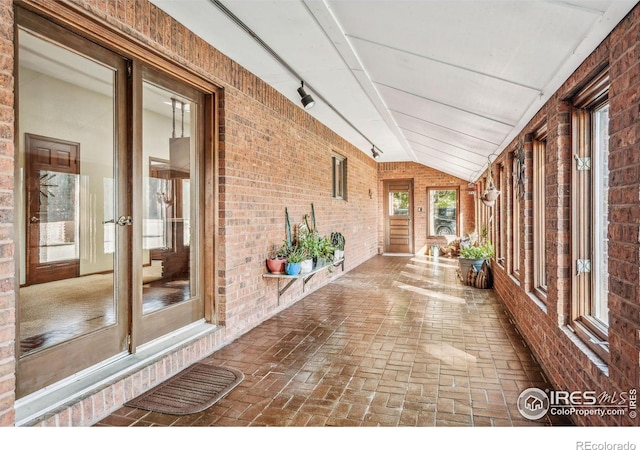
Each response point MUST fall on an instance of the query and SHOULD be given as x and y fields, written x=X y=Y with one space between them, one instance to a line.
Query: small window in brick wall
x=339 y=170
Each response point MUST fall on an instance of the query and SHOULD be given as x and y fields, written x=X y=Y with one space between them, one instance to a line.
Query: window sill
x=585 y=348
x=539 y=303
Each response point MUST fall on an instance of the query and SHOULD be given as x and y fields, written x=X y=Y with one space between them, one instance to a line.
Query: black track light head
x=306 y=99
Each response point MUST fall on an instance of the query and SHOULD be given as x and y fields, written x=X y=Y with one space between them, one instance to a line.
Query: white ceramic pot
x=491 y=194
x=306 y=266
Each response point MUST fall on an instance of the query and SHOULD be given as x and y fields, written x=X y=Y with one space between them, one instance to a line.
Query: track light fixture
x=306 y=99
x=375 y=153
x=306 y=103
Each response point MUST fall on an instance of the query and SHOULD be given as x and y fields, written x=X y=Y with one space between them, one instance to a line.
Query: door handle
x=34 y=219
x=124 y=221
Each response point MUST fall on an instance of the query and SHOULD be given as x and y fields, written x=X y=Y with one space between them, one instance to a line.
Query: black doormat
x=195 y=388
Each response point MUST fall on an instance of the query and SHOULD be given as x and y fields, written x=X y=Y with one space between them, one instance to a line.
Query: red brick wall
x=423 y=177
x=270 y=163
x=567 y=361
x=624 y=200
x=7 y=267
x=273 y=155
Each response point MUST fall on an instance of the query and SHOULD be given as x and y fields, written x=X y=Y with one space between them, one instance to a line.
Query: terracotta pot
x=276 y=265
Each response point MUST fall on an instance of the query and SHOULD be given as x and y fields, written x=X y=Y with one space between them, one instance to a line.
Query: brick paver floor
x=397 y=341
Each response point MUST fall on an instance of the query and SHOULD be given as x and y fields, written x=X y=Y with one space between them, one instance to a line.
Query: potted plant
x=310 y=242
x=337 y=241
x=295 y=256
x=474 y=255
x=276 y=263
x=326 y=252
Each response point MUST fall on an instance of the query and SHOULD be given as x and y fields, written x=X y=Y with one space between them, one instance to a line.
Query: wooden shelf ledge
x=306 y=277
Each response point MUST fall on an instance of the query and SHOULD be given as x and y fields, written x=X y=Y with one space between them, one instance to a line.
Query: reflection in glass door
x=72 y=297
x=52 y=176
x=170 y=173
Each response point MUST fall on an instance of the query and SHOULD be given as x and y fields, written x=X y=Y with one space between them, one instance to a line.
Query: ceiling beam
x=445 y=63
x=395 y=111
x=447 y=105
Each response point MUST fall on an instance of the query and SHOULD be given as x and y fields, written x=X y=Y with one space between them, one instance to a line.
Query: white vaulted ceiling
x=444 y=83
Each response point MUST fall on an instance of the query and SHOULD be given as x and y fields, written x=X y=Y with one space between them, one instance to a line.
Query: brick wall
x=269 y=164
x=272 y=155
x=7 y=267
x=624 y=200
x=567 y=361
x=423 y=177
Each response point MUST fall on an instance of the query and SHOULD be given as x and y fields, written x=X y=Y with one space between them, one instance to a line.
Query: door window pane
x=169 y=152
x=399 y=203
x=67 y=128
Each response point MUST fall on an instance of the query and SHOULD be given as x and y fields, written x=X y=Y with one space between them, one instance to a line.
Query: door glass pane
x=67 y=153
x=442 y=212
x=169 y=169
x=186 y=211
x=399 y=203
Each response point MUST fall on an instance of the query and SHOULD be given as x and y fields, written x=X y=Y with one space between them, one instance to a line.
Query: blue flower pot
x=292 y=268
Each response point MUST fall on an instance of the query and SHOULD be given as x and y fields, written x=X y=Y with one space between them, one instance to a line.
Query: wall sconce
x=306 y=99
x=471 y=188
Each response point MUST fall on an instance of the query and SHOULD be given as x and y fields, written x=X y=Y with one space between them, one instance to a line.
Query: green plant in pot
x=327 y=250
x=475 y=254
x=309 y=240
x=338 y=242
x=295 y=256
